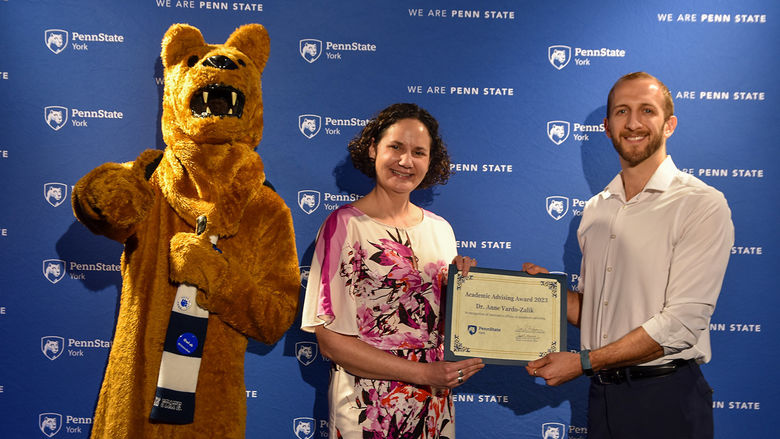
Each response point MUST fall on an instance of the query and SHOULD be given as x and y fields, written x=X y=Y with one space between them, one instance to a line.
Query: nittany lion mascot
x=209 y=253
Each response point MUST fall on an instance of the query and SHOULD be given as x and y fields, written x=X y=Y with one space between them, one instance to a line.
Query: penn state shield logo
x=559 y=56
x=306 y=352
x=557 y=206
x=310 y=49
x=472 y=329
x=308 y=201
x=309 y=124
x=50 y=423
x=55 y=117
x=54 y=270
x=303 y=428
x=553 y=430
x=558 y=131
x=183 y=303
x=55 y=193
x=305 y=269
x=52 y=346
x=56 y=40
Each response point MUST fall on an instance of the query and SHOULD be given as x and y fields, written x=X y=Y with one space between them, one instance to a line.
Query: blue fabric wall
x=486 y=71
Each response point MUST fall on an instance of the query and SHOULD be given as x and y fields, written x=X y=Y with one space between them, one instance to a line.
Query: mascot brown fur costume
x=212 y=121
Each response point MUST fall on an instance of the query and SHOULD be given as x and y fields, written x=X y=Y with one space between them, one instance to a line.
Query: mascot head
x=212 y=92
x=212 y=121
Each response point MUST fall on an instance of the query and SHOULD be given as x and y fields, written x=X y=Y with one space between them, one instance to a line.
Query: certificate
x=504 y=317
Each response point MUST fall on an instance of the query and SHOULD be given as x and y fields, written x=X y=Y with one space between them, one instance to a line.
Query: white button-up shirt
x=655 y=261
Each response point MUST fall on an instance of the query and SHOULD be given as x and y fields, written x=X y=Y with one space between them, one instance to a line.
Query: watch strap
x=587 y=369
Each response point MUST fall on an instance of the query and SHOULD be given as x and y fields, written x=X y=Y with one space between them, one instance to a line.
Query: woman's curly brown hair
x=439 y=167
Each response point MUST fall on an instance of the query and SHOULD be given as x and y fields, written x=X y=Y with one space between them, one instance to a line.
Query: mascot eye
x=193 y=59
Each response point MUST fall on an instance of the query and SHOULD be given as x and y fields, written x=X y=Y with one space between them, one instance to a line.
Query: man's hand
x=531 y=268
x=556 y=368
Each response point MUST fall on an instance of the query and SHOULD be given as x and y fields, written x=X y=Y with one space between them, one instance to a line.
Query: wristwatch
x=587 y=369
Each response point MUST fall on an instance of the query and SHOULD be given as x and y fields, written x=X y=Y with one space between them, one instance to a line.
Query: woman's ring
x=460 y=380
x=535 y=372
x=460 y=373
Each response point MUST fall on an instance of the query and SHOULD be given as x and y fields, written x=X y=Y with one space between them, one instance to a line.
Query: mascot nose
x=220 y=62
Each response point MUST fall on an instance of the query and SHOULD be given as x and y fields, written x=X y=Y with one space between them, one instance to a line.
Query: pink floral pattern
x=398 y=311
x=382 y=285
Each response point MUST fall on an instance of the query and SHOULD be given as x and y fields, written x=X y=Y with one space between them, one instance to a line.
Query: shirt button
x=606 y=302
x=611 y=236
x=609 y=269
x=604 y=336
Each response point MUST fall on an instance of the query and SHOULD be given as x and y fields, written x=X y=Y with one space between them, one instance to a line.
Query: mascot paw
x=114 y=197
x=145 y=164
x=195 y=261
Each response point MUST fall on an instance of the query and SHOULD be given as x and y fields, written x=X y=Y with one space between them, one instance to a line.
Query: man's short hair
x=668 y=102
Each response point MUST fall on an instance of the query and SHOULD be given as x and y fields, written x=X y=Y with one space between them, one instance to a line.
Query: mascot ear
x=252 y=39
x=179 y=41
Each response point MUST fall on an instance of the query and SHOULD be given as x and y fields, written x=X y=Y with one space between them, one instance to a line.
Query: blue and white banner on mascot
x=519 y=90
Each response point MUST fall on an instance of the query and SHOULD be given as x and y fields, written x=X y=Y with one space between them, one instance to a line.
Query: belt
x=623 y=374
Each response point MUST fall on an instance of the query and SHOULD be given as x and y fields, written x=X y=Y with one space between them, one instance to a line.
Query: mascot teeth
x=217 y=100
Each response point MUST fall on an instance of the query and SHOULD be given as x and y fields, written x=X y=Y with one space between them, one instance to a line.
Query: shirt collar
x=660 y=181
x=663 y=176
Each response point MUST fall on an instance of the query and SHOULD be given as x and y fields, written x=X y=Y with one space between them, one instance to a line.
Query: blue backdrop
x=519 y=88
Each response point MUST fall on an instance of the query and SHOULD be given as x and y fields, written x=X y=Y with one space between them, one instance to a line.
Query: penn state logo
x=305 y=269
x=309 y=124
x=310 y=49
x=56 y=40
x=50 y=423
x=557 y=206
x=55 y=193
x=559 y=56
x=303 y=428
x=183 y=303
x=553 y=430
x=55 y=117
x=308 y=201
x=52 y=346
x=54 y=270
x=472 y=329
x=306 y=352
x=558 y=131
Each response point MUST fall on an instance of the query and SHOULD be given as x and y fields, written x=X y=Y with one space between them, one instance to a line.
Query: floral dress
x=383 y=285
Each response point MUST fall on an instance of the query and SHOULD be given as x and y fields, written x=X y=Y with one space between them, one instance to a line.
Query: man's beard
x=636 y=156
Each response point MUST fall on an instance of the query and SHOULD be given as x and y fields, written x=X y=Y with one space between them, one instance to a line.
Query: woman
x=374 y=293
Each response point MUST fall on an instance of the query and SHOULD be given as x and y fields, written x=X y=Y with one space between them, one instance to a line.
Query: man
x=655 y=244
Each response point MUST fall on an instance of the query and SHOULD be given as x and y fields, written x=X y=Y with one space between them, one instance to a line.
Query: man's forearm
x=634 y=348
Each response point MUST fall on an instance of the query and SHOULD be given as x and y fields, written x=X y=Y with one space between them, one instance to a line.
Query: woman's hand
x=464 y=263
x=451 y=374
x=364 y=360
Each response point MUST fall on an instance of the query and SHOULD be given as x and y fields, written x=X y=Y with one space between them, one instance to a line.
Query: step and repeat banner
x=519 y=89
